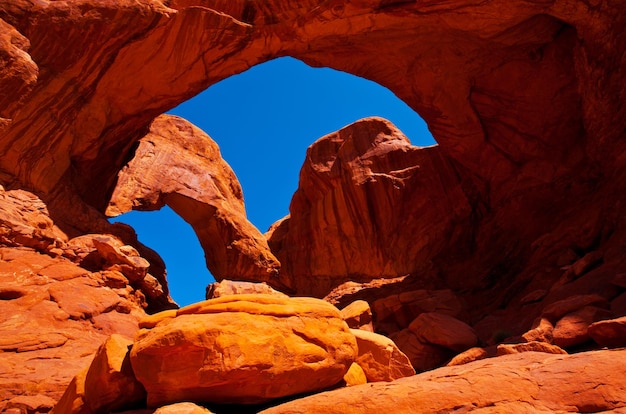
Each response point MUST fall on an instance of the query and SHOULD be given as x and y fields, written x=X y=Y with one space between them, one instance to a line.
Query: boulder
x=472 y=354
x=232 y=287
x=557 y=310
x=423 y=356
x=182 y=408
x=73 y=399
x=572 y=329
x=505 y=349
x=610 y=333
x=107 y=385
x=443 y=330
x=110 y=383
x=243 y=349
x=396 y=312
x=542 y=331
x=355 y=375
x=358 y=315
x=380 y=358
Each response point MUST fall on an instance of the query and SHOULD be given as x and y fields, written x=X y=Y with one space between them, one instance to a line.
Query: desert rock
x=179 y=165
x=571 y=329
x=358 y=315
x=380 y=358
x=243 y=349
x=536 y=346
x=232 y=287
x=523 y=383
x=444 y=330
x=525 y=100
x=611 y=333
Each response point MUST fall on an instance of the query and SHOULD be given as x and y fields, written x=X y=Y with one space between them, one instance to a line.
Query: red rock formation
x=108 y=385
x=521 y=383
x=179 y=165
x=355 y=213
x=380 y=358
x=242 y=349
x=60 y=299
x=524 y=98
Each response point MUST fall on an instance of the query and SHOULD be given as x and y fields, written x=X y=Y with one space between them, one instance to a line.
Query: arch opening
x=263 y=121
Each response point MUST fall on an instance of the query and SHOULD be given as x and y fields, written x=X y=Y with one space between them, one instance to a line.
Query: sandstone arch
x=524 y=99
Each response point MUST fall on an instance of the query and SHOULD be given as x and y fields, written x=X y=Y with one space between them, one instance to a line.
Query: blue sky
x=263 y=120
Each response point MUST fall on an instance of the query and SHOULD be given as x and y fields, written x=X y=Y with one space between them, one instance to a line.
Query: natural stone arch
x=459 y=65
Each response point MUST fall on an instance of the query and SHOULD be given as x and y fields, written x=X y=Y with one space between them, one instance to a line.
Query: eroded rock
x=243 y=349
x=527 y=382
x=179 y=165
x=380 y=358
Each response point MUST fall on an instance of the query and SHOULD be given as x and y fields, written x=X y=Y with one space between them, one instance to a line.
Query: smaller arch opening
x=175 y=241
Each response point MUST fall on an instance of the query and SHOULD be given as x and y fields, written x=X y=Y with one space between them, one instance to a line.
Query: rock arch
x=511 y=92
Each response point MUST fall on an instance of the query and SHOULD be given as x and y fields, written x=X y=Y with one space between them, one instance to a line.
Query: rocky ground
x=486 y=273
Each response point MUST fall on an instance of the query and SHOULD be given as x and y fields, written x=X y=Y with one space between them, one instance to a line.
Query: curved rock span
x=179 y=165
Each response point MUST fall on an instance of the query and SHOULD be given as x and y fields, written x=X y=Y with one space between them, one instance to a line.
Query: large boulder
x=242 y=349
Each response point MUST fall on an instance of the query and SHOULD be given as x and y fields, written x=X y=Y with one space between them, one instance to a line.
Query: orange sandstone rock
x=571 y=329
x=524 y=180
x=349 y=183
x=358 y=315
x=243 y=349
x=110 y=383
x=423 y=356
x=232 y=287
x=355 y=375
x=380 y=358
x=472 y=354
x=182 y=408
x=203 y=190
x=444 y=330
x=505 y=349
x=522 y=383
x=55 y=310
x=611 y=333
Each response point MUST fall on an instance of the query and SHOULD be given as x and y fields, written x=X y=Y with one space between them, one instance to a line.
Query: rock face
x=359 y=188
x=179 y=165
x=60 y=298
x=478 y=200
x=523 y=383
x=243 y=349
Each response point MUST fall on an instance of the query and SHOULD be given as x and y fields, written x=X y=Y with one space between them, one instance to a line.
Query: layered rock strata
x=60 y=298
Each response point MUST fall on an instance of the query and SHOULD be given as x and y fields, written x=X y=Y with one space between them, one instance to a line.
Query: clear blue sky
x=263 y=120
